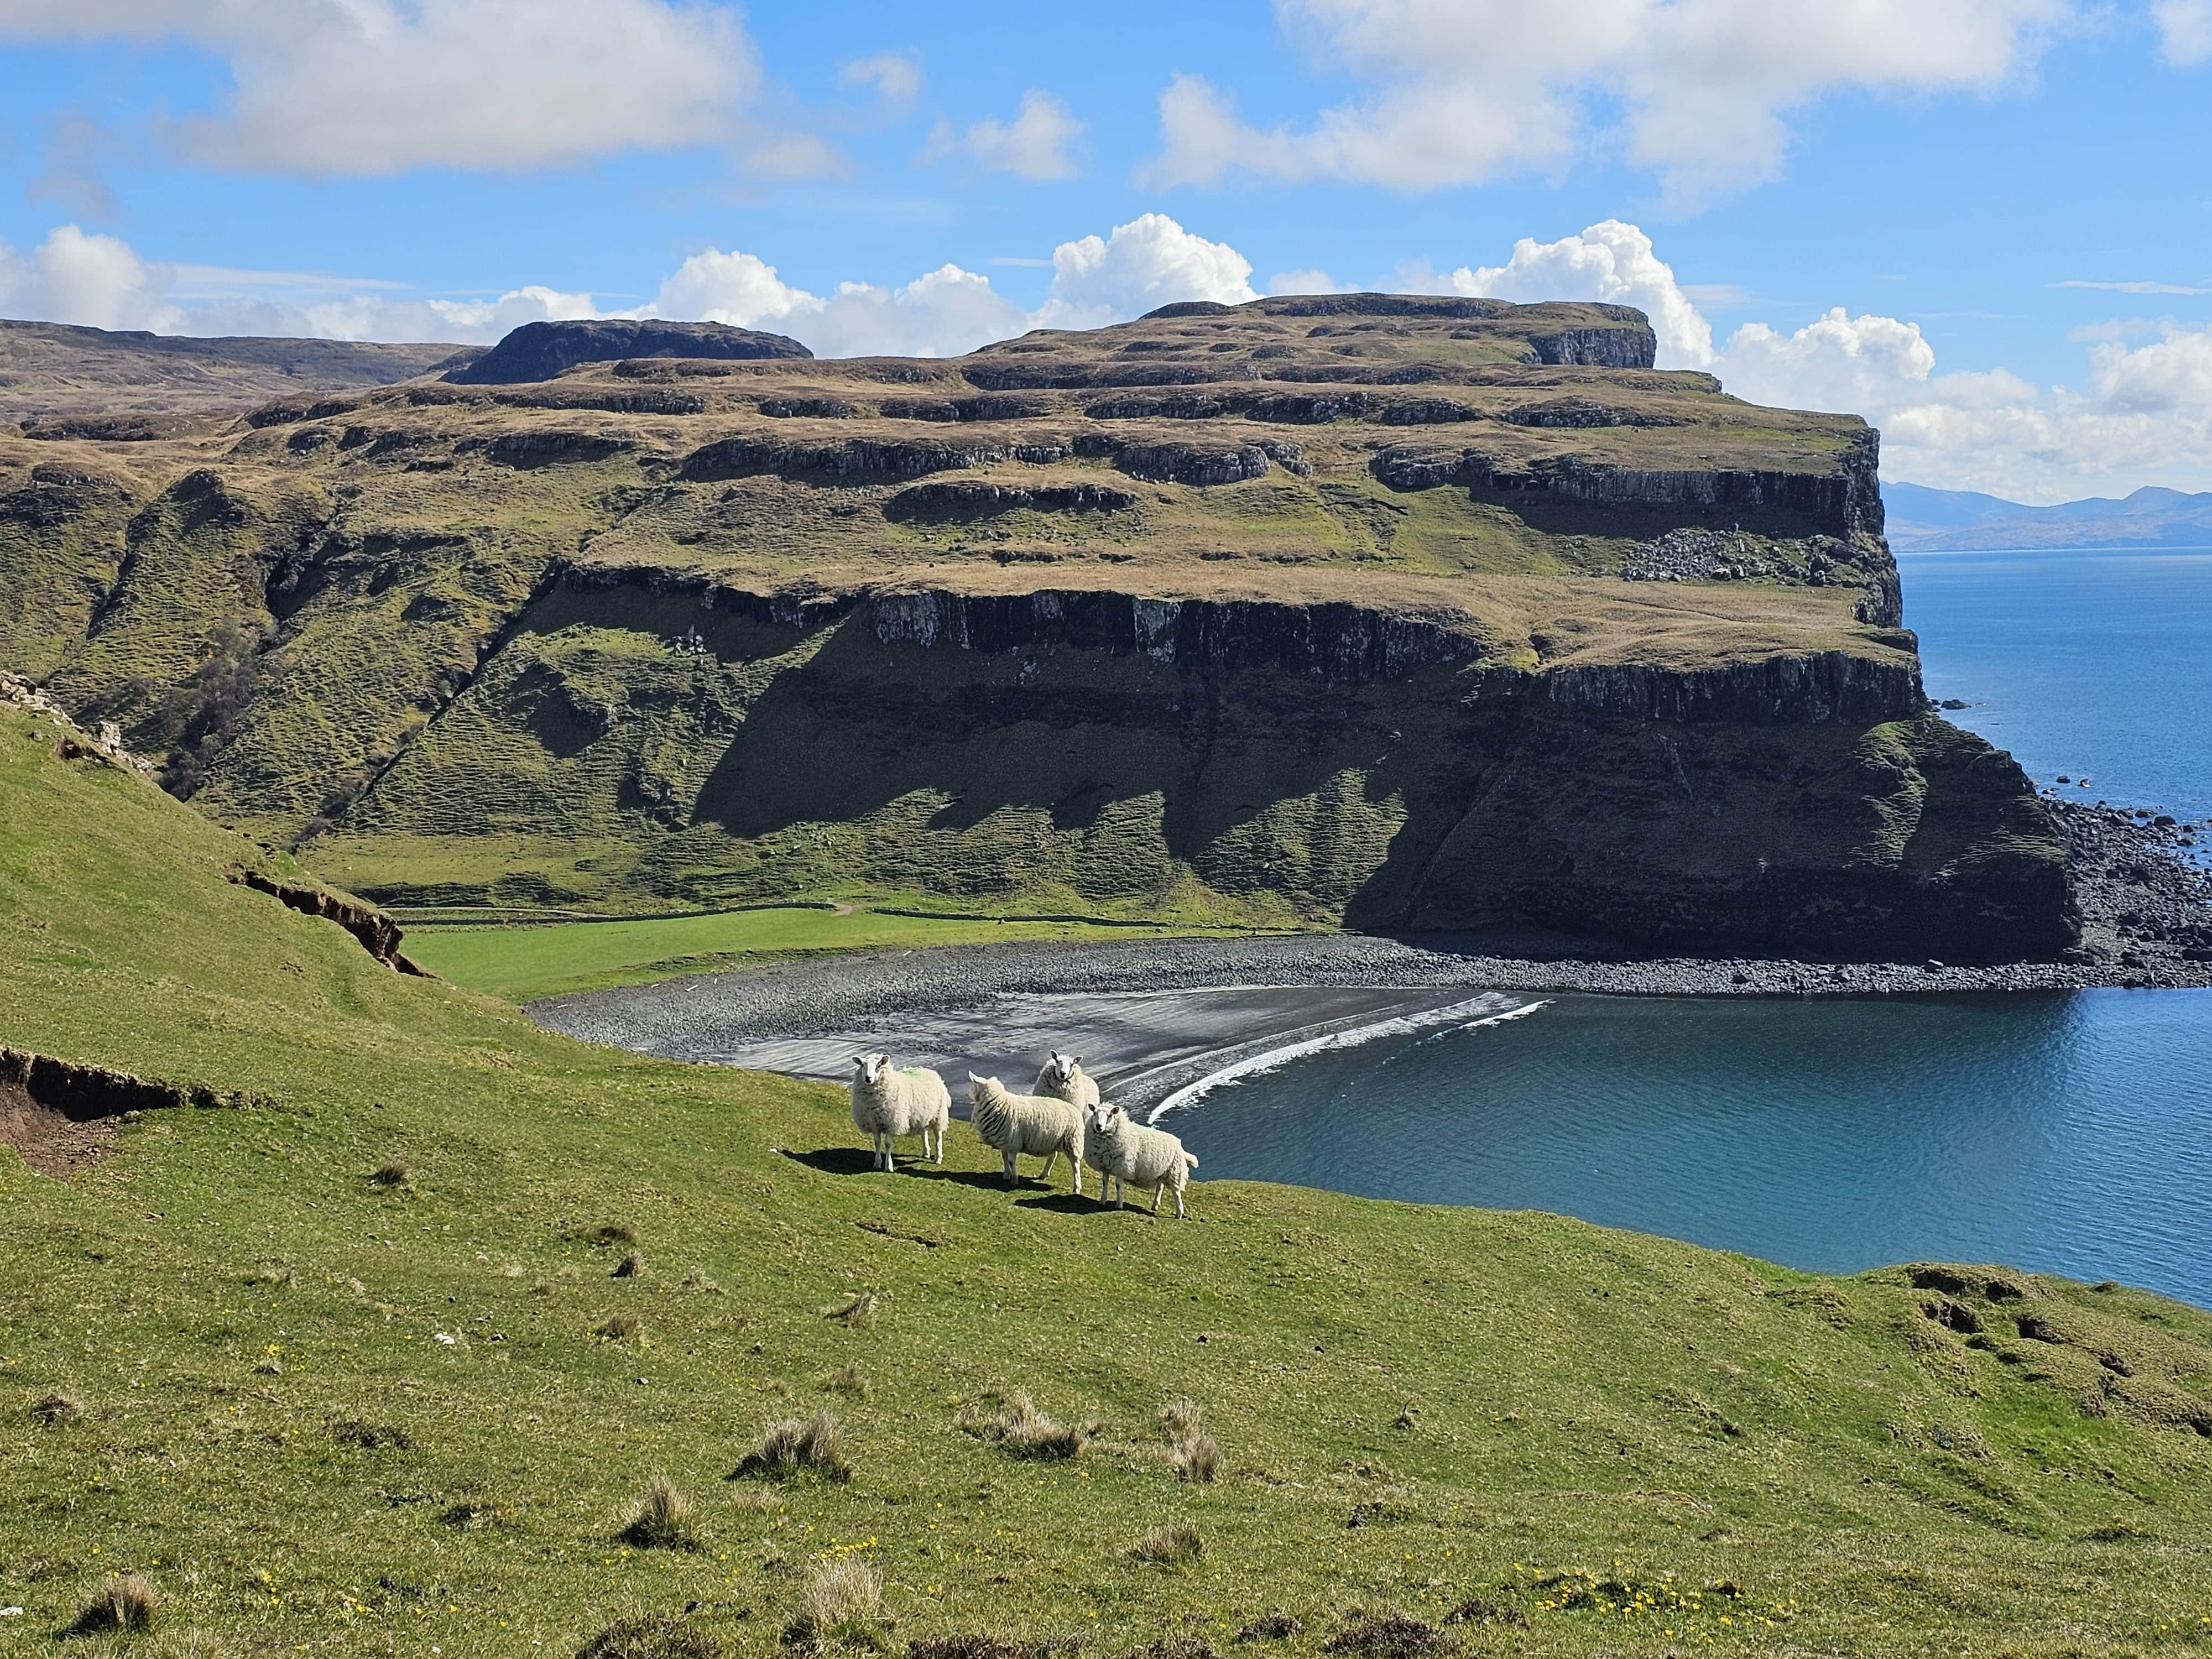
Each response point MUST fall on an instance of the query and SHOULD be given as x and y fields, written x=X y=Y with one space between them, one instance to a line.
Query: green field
x=541 y=959
x=323 y=1412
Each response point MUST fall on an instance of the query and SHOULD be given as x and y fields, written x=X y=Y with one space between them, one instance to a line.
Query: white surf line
x=1274 y=1059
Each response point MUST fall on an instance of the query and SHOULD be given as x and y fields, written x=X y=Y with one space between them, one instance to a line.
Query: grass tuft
x=842 y=1604
x=1194 y=1454
x=1170 y=1545
x=1476 y=1611
x=54 y=1409
x=665 y=1519
x=632 y=1266
x=757 y=1500
x=474 y=1514
x=1016 y=1427
x=846 y=1379
x=1275 y=1628
x=857 y=1311
x=270 y=1276
x=615 y=1232
x=696 y=1280
x=967 y=1644
x=619 y=1328
x=392 y=1173
x=371 y=1437
x=816 y=1446
x=661 y=1636
x=1393 y=1636
x=123 y=1602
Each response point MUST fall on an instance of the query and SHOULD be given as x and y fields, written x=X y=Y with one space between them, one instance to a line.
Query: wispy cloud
x=2132 y=288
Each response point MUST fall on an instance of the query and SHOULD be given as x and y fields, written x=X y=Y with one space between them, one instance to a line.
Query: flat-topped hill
x=132 y=378
x=589 y=639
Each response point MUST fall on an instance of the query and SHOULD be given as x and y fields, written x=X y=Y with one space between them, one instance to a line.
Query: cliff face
x=1415 y=612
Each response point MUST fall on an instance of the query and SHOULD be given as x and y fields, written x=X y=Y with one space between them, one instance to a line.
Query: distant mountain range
x=1924 y=520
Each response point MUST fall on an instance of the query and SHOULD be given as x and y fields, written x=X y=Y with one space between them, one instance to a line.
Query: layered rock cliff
x=1411 y=612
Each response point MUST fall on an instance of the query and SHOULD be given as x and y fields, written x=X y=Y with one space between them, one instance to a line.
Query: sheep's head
x=1062 y=1069
x=982 y=1088
x=871 y=1068
x=1107 y=1118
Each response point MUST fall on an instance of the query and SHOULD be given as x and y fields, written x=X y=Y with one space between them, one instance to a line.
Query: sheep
x=1013 y=1124
x=1130 y=1151
x=1064 y=1079
x=888 y=1103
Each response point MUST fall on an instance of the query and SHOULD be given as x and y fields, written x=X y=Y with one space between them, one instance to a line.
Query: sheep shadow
x=860 y=1161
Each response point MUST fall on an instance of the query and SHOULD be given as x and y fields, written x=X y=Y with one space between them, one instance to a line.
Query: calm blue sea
x=2062 y=1133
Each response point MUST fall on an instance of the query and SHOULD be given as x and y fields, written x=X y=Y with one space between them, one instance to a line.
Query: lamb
x=1014 y=1124
x=888 y=1103
x=1128 y=1152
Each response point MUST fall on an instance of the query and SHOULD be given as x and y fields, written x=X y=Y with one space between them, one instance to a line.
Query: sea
x=2069 y=1134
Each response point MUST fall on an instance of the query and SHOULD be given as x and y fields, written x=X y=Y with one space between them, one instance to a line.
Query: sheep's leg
x=1050 y=1158
x=1075 y=1169
x=890 y=1153
x=1156 y=1192
x=1180 y=1215
x=1013 y=1176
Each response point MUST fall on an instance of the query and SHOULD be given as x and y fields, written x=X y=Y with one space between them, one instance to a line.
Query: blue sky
x=1946 y=171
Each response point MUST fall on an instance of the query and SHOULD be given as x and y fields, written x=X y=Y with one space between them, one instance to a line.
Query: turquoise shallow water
x=2066 y=1133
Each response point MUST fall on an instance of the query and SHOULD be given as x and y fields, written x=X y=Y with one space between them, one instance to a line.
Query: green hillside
x=324 y=1413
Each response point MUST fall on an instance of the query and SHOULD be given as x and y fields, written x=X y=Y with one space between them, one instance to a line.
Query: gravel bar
x=2147 y=913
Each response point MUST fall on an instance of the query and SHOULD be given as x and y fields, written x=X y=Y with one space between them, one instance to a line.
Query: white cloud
x=1038 y=143
x=76 y=277
x=98 y=282
x=1152 y=261
x=2184 y=28
x=1307 y=281
x=1459 y=91
x=2132 y=288
x=1610 y=261
x=895 y=76
x=366 y=87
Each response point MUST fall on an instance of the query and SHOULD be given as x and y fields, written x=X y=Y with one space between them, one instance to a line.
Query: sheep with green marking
x=890 y=1103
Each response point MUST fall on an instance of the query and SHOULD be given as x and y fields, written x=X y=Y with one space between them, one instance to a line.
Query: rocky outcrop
x=1844 y=503
x=377 y=932
x=965 y=498
x=1192 y=463
x=853 y=460
x=1816 y=687
x=539 y=351
x=1585 y=412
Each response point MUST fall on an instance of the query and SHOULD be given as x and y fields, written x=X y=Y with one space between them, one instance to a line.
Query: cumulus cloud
x=366 y=87
x=895 y=77
x=1152 y=261
x=97 y=282
x=77 y=276
x=1609 y=261
x=1307 y=281
x=2184 y=28
x=1038 y=143
x=1459 y=91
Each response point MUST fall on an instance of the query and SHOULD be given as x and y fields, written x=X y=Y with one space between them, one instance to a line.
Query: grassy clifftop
x=318 y=1410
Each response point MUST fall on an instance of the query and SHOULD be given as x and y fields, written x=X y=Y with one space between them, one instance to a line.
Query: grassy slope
x=542 y=960
x=1490 y=1393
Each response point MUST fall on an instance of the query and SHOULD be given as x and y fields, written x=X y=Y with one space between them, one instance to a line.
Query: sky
x=1985 y=225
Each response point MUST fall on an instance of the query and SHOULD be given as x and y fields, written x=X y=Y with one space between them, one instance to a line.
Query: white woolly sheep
x=1064 y=1079
x=889 y=1103
x=1128 y=1152
x=1013 y=1124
